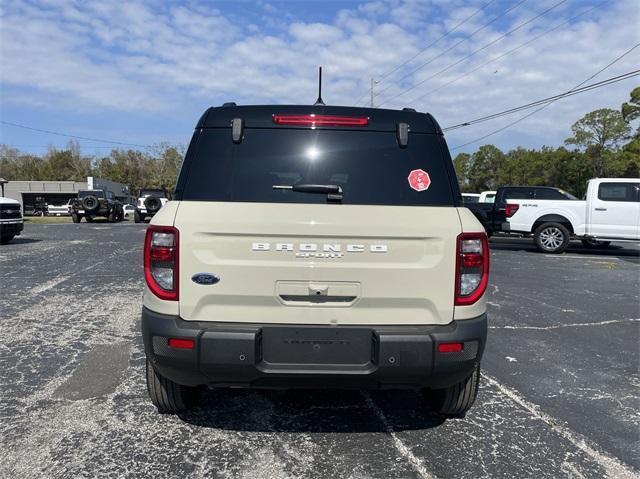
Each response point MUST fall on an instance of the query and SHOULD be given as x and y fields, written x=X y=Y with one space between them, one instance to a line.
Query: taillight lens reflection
x=161 y=261
x=472 y=268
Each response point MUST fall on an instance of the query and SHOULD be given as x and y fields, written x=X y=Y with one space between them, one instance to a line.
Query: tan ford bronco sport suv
x=315 y=247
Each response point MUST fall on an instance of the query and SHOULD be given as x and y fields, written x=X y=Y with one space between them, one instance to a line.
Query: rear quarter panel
x=531 y=210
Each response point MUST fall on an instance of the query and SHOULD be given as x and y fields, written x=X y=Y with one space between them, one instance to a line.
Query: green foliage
x=631 y=109
x=600 y=129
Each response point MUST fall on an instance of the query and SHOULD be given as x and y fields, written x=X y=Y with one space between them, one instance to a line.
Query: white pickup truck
x=610 y=212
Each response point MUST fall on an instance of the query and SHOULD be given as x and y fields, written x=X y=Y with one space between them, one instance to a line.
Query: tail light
x=510 y=210
x=161 y=261
x=472 y=268
x=314 y=120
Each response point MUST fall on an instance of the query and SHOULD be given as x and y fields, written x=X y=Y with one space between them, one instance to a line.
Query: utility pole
x=373 y=82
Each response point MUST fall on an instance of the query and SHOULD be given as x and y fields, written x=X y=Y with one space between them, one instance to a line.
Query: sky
x=142 y=72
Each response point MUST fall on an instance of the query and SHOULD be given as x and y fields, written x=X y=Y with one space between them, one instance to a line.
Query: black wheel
x=89 y=219
x=167 y=396
x=455 y=400
x=111 y=217
x=6 y=238
x=137 y=217
x=551 y=237
x=75 y=217
x=592 y=243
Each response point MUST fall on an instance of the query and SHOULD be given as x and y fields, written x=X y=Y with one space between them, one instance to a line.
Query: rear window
x=97 y=194
x=369 y=166
x=518 y=193
x=552 y=194
x=159 y=193
x=618 y=191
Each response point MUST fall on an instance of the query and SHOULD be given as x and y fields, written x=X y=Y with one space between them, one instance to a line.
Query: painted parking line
x=416 y=463
x=613 y=466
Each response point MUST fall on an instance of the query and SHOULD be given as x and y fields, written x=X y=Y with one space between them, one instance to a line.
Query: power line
x=509 y=125
x=484 y=47
x=422 y=65
x=420 y=52
x=54 y=146
x=17 y=125
x=522 y=45
x=550 y=99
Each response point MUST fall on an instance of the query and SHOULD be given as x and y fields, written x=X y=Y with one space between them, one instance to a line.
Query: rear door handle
x=601 y=209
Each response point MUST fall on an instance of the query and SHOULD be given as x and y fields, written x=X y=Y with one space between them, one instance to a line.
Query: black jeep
x=93 y=203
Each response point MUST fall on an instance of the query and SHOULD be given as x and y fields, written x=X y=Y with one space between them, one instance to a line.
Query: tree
x=485 y=163
x=462 y=163
x=631 y=110
x=597 y=132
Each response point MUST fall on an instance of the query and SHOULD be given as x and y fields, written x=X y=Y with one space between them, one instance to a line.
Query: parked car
x=96 y=203
x=470 y=197
x=11 y=221
x=487 y=197
x=59 y=210
x=149 y=203
x=611 y=211
x=129 y=210
x=317 y=246
x=493 y=215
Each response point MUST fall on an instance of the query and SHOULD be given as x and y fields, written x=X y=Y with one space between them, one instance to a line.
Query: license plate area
x=317 y=346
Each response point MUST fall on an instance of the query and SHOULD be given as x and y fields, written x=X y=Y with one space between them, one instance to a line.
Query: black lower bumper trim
x=11 y=229
x=290 y=356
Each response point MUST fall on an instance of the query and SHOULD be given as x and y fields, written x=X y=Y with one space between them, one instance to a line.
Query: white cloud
x=143 y=57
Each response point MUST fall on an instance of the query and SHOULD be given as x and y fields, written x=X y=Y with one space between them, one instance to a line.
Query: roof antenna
x=319 y=100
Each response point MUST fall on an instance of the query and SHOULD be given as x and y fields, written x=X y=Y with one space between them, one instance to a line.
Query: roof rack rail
x=408 y=109
x=230 y=103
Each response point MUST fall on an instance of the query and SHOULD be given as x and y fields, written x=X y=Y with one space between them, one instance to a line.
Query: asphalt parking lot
x=560 y=394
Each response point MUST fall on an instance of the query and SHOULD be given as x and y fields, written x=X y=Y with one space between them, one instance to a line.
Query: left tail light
x=472 y=268
x=161 y=251
x=510 y=209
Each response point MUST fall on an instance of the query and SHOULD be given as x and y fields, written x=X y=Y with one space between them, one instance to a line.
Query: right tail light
x=472 y=268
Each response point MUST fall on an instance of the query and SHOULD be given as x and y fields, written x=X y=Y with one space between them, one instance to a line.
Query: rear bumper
x=11 y=227
x=295 y=356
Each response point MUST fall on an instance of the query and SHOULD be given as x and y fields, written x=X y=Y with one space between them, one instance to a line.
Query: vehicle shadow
x=320 y=411
x=21 y=240
x=575 y=248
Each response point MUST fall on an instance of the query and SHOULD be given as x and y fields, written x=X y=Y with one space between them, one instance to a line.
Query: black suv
x=96 y=203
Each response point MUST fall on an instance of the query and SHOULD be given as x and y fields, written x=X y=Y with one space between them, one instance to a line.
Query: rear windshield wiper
x=333 y=192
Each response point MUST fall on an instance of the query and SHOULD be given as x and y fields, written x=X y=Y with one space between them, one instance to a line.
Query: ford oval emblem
x=205 y=278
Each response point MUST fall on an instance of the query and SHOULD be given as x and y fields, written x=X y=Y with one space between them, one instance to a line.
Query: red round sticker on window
x=419 y=180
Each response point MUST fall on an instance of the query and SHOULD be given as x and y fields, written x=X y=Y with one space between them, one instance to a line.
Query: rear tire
x=137 y=218
x=168 y=397
x=455 y=401
x=6 y=238
x=552 y=237
x=75 y=217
